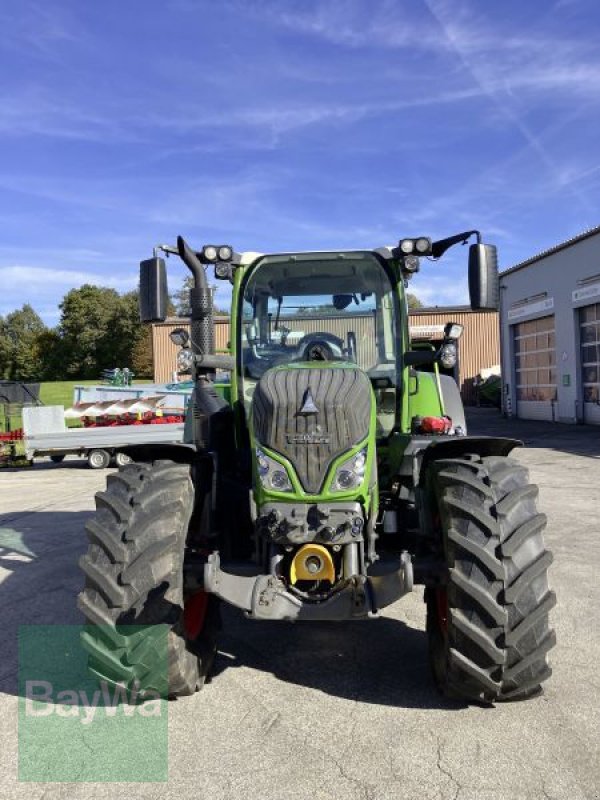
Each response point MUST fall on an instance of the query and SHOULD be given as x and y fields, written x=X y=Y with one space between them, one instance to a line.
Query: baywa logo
x=68 y=710
x=41 y=700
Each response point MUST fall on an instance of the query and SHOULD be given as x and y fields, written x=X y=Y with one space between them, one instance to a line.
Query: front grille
x=342 y=396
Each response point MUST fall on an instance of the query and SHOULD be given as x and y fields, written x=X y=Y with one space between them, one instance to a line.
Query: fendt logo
x=307 y=438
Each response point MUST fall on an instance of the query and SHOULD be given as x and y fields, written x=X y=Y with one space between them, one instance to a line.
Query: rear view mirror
x=154 y=296
x=484 y=288
x=342 y=301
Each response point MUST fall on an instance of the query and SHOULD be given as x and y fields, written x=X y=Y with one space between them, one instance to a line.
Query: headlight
x=448 y=355
x=225 y=253
x=272 y=474
x=407 y=246
x=185 y=360
x=223 y=270
x=209 y=252
x=351 y=473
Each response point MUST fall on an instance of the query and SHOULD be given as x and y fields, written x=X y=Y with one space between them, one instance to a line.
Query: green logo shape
x=74 y=726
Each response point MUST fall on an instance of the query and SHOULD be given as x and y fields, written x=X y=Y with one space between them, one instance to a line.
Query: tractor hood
x=311 y=414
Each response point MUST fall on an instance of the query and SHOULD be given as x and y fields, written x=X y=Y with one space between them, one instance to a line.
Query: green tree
x=413 y=301
x=21 y=357
x=90 y=328
x=142 y=358
x=100 y=329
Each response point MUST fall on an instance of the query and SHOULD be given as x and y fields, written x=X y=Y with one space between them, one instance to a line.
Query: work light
x=410 y=264
x=453 y=330
x=209 y=252
x=185 y=361
x=407 y=246
x=423 y=245
x=448 y=355
x=225 y=253
x=179 y=336
x=222 y=270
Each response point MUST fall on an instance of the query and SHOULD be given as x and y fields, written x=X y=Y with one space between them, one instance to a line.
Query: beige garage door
x=535 y=363
x=589 y=331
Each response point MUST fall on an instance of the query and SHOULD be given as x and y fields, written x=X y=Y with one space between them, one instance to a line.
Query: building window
x=535 y=359
x=589 y=328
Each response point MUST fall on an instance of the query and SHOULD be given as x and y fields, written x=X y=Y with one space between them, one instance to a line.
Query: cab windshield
x=319 y=307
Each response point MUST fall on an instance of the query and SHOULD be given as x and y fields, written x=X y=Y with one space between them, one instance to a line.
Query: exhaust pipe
x=203 y=329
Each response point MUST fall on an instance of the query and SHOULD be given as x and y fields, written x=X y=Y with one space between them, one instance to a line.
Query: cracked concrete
x=340 y=712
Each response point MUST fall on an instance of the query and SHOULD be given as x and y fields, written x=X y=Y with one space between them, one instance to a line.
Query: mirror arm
x=439 y=248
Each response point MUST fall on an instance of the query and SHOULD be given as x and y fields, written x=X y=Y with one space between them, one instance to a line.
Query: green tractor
x=322 y=475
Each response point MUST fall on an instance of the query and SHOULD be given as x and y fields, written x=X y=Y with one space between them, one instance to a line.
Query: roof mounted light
x=421 y=245
x=209 y=253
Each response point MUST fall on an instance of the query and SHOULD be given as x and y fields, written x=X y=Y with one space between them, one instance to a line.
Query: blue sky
x=276 y=125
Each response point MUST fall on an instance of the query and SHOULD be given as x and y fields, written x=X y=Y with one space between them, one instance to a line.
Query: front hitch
x=266 y=596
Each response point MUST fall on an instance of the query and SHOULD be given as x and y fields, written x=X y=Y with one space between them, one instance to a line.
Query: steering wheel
x=320 y=347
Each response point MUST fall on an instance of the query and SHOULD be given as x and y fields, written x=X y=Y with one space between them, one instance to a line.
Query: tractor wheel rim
x=194 y=614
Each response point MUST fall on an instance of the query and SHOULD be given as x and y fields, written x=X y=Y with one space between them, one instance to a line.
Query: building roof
x=444 y=309
x=555 y=249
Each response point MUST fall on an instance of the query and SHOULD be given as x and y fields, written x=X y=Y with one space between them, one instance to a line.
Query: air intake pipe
x=202 y=327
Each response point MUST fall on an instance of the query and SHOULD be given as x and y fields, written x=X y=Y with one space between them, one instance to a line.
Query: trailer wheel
x=98 y=459
x=142 y=631
x=57 y=458
x=122 y=459
x=488 y=626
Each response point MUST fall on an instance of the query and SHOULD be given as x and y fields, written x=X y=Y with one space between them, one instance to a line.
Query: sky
x=274 y=125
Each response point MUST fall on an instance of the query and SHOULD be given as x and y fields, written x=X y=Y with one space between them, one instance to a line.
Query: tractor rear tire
x=134 y=591
x=488 y=626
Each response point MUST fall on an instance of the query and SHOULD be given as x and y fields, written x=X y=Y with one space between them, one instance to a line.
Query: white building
x=550 y=333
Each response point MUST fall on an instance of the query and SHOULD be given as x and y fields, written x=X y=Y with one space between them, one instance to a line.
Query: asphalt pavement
x=341 y=711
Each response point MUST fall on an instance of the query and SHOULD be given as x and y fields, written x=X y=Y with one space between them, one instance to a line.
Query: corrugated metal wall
x=479 y=345
x=164 y=352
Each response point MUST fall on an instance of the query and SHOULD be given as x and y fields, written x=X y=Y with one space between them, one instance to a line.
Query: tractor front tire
x=488 y=625
x=141 y=631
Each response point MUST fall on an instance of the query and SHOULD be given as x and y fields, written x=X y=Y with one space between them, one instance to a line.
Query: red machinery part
x=435 y=425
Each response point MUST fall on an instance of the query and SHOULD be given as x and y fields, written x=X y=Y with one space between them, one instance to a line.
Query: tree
x=99 y=329
x=20 y=338
x=413 y=301
x=181 y=300
x=142 y=357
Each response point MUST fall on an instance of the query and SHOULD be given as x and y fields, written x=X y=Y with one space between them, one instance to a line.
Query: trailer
x=45 y=433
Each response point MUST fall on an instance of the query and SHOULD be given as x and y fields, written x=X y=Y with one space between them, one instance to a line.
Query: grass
x=60 y=393
x=53 y=393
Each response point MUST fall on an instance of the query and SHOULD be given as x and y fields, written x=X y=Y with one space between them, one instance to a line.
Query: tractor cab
x=321 y=309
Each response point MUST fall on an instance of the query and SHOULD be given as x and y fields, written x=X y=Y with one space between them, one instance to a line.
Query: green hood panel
x=311 y=415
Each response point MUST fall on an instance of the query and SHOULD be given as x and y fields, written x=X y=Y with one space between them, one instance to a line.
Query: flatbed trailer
x=46 y=434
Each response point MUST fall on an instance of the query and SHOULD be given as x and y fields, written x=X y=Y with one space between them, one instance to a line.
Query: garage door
x=589 y=332
x=535 y=364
